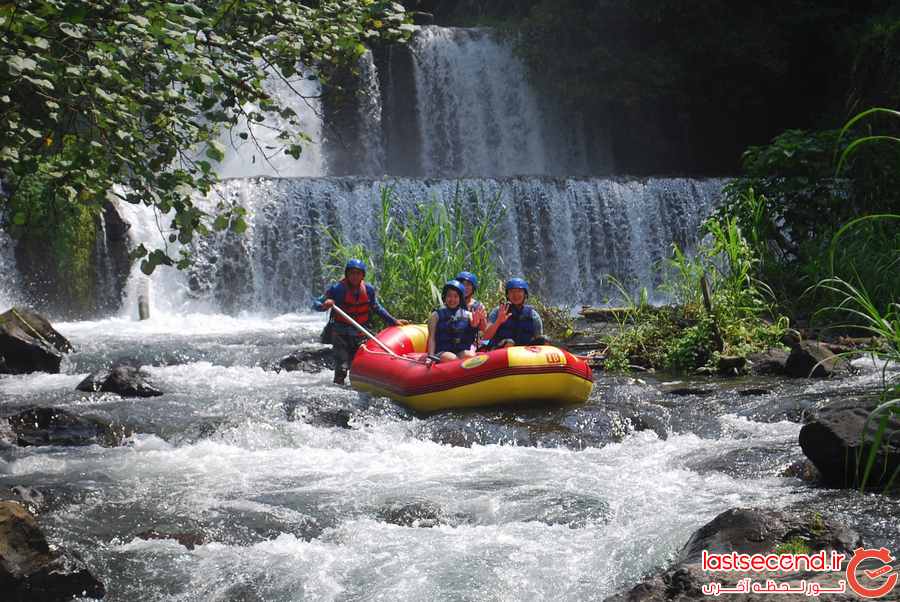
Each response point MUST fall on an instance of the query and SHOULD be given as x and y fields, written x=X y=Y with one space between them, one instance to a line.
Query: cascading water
x=479 y=115
x=565 y=235
x=9 y=276
x=261 y=153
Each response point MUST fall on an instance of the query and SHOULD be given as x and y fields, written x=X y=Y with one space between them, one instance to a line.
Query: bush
x=737 y=319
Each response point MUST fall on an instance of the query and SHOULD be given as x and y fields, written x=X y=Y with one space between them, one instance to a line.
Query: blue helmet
x=468 y=277
x=455 y=285
x=516 y=283
x=356 y=264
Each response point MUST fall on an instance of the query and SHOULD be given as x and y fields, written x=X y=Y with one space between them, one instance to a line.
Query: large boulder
x=127 y=381
x=30 y=570
x=814 y=359
x=747 y=531
x=53 y=426
x=769 y=362
x=839 y=438
x=28 y=343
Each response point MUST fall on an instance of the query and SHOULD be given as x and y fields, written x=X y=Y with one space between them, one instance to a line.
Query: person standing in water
x=357 y=299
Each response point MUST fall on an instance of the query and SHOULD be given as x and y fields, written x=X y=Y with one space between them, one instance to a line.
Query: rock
x=127 y=381
x=28 y=343
x=188 y=540
x=771 y=361
x=682 y=391
x=606 y=314
x=731 y=364
x=304 y=360
x=803 y=470
x=413 y=514
x=53 y=426
x=791 y=338
x=837 y=440
x=813 y=359
x=747 y=531
x=33 y=500
x=333 y=417
x=753 y=392
x=30 y=570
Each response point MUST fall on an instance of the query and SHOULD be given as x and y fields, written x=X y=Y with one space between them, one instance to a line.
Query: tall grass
x=740 y=317
x=421 y=249
x=876 y=249
x=884 y=325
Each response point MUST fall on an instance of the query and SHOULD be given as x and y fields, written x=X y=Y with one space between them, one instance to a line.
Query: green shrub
x=740 y=318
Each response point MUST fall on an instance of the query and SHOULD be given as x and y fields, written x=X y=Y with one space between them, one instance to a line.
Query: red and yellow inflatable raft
x=504 y=376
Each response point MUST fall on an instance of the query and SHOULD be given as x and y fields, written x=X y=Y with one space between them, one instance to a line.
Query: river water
x=380 y=504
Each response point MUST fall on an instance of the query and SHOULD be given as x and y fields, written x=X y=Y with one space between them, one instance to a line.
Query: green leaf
x=238 y=226
x=73 y=30
x=18 y=64
x=147 y=267
x=220 y=223
x=215 y=151
x=19 y=219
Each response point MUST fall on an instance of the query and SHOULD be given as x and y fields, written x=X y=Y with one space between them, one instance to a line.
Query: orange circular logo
x=883 y=555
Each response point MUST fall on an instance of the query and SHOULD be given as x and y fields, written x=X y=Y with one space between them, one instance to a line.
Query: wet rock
x=418 y=513
x=573 y=510
x=803 y=470
x=729 y=364
x=747 y=531
x=188 y=540
x=752 y=392
x=331 y=417
x=813 y=359
x=29 y=497
x=304 y=360
x=839 y=437
x=30 y=570
x=28 y=343
x=791 y=409
x=54 y=426
x=127 y=381
x=748 y=463
x=682 y=391
x=771 y=361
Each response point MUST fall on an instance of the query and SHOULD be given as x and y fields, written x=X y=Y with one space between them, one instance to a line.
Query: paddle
x=360 y=328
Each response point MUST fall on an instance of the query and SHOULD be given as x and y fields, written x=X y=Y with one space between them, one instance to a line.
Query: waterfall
x=564 y=234
x=261 y=154
x=478 y=114
x=10 y=291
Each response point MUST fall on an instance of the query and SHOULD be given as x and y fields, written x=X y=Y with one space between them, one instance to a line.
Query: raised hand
x=478 y=318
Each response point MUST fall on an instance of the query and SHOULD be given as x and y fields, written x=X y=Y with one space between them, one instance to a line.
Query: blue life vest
x=519 y=326
x=454 y=333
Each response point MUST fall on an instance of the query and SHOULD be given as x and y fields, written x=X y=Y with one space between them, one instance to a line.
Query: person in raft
x=357 y=299
x=452 y=329
x=514 y=322
x=470 y=283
